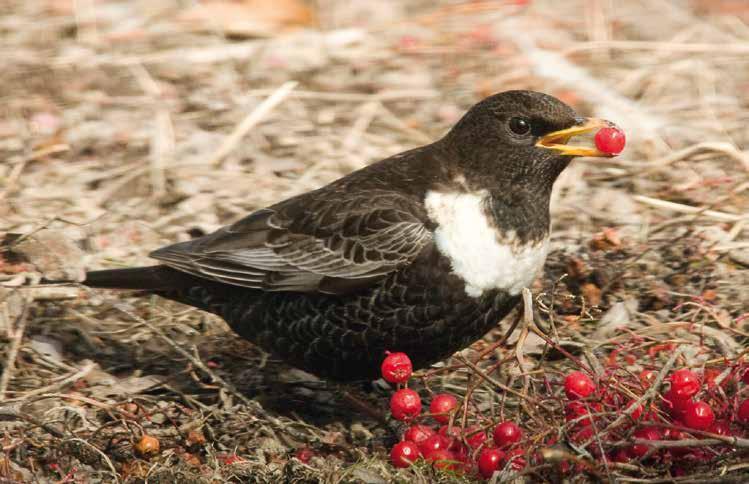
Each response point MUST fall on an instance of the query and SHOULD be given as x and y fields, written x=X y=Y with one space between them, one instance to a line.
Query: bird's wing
x=332 y=243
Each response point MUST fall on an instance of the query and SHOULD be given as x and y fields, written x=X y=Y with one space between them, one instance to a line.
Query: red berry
x=673 y=434
x=405 y=404
x=304 y=454
x=637 y=412
x=442 y=406
x=621 y=456
x=403 y=454
x=516 y=458
x=418 y=433
x=489 y=461
x=710 y=375
x=647 y=377
x=507 y=433
x=452 y=434
x=699 y=416
x=610 y=140
x=443 y=459
x=576 y=409
x=745 y=378
x=433 y=443
x=676 y=405
x=744 y=411
x=475 y=436
x=396 y=368
x=461 y=453
x=578 y=385
x=684 y=383
x=720 y=427
x=646 y=433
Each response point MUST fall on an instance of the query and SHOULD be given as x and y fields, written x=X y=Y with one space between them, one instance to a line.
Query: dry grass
x=124 y=128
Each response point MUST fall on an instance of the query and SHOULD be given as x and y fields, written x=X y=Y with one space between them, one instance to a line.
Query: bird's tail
x=152 y=278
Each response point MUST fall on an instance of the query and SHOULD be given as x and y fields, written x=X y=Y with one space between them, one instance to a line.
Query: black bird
x=423 y=252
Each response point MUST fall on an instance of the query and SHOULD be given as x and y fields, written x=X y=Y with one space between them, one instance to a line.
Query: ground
x=131 y=124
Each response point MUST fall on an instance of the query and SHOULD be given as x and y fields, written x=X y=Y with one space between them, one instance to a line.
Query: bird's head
x=521 y=138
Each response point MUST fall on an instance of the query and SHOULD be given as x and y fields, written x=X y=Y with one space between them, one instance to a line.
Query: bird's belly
x=422 y=310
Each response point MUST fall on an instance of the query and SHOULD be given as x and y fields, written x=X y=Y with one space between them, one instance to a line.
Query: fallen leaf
x=607 y=239
x=249 y=18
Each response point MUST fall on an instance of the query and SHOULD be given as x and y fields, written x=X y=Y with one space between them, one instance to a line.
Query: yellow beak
x=557 y=140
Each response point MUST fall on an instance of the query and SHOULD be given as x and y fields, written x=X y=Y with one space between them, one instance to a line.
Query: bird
x=423 y=252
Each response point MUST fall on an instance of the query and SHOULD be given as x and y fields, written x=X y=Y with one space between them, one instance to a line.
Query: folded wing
x=314 y=242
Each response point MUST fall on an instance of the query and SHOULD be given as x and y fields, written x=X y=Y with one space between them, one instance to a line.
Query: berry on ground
x=405 y=404
x=576 y=409
x=699 y=416
x=418 y=433
x=645 y=433
x=433 y=443
x=684 y=383
x=647 y=377
x=507 y=433
x=396 y=368
x=610 y=140
x=442 y=406
x=475 y=436
x=676 y=405
x=720 y=427
x=304 y=454
x=743 y=413
x=443 y=459
x=578 y=385
x=452 y=434
x=403 y=454
x=516 y=458
x=489 y=461
x=147 y=445
x=621 y=456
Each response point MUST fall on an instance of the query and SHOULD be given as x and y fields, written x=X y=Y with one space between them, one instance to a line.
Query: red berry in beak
x=610 y=140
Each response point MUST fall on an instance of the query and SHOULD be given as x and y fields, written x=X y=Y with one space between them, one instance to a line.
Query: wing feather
x=310 y=243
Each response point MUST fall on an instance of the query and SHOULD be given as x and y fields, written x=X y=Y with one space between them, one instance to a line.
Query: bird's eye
x=520 y=125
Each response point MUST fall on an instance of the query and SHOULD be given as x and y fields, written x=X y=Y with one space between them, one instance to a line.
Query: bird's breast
x=483 y=256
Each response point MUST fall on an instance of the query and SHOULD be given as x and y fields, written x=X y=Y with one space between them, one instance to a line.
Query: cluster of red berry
x=607 y=420
x=449 y=447
x=678 y=416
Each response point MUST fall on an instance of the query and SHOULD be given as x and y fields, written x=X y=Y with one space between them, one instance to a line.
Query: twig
x=85 y=370
x=739 y=48
x=381 y=96
x=15 y=345
x=497 y=384
x=252 y=119
x=102 y=454
x=733 y=441
x=94 y=403
x=162 y=140
x=681 y=208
